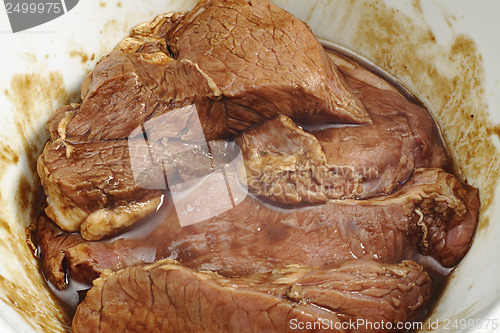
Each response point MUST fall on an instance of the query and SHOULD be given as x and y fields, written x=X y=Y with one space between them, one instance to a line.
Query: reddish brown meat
x=54 y=242
x=340 y=162
x=127 y=89
x=120 y=181
x=432 y=213
x=233 y=88
x=288 y=165
x=166 y=297
x=140 y=82
x=264 y=59
x=153 y=143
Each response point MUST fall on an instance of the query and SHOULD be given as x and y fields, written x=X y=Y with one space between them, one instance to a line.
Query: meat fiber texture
x=432 y=214
x=160 y=68
x=268 y=183
x=167 y=297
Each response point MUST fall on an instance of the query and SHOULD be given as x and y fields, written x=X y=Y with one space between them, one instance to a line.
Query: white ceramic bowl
x=445 y=52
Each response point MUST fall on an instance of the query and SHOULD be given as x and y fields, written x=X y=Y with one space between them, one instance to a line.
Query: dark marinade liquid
x=145 y=233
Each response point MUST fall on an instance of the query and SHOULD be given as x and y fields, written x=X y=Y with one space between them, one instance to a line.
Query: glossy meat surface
x=167 y=297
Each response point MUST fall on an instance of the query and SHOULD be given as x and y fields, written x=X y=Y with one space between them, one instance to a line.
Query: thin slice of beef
x=288 y=165
x=385 y=100
x=54 y=241
x=104 y=187
x=167 y=297
x=91 y=191
x=266 y=61
x=140 y=79
x=403 y=137
x=127 y=89
x=432 y=214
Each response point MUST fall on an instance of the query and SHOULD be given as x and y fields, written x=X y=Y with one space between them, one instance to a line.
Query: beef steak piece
x=91 y=191
x=167 y=297
x=264 y=59
x=283 y=162
x=287 y=165
x=140 y=82
x=140 y=79
x=54 y=241
x=293 y=165
x=432 y=214
x=104 y=187
x=127 y=89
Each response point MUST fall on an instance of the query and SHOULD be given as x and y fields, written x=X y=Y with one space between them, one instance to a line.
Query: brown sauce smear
x=454 y=95
x=33 y=97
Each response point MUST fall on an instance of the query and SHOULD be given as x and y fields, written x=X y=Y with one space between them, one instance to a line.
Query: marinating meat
x=128 y=89
x=100 y=190
x=167 y=297
x=288 y=165
x=286 y=73
x=222 y=172
x=264 y=59
x=432 y=214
